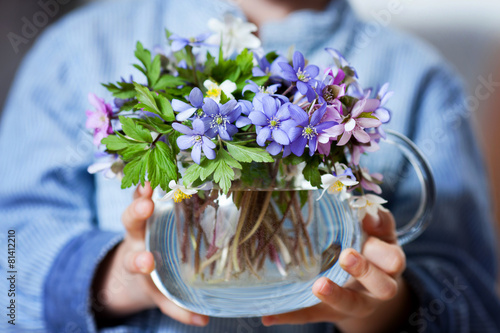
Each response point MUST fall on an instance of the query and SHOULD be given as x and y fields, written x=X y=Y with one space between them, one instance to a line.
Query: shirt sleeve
x=46 y=194
x=451 y=267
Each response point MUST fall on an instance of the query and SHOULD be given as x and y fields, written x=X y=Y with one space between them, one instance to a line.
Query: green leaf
x=115 y=142
x=155 y=103
x=134 y=171
x=368 y=115
x=172 y=140
x=134 y=130
x=161 y=166
x=143 y=55
x=169 y=81
x=311 y=171
x=223 y=176
x=208 y=168
x=165 y=108
x=154 y=71
x=123 y=90
x=146 y=98
x=247 y=154
x=294 y=160
x=229 y=159
x=192 y=174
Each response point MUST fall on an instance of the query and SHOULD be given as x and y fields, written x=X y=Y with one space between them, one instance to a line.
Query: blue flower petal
x=258 y=118
x=264 y=134
x=196 y=97
x=298 y=61
x=182 y=129
x=211 y=108
x=274 y=148
x=280 y=136
x=298 y=146
x=196 y=153
x=185 y=142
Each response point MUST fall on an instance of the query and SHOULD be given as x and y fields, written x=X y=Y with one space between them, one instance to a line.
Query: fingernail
x=141 y=189
x=326 y=289
x=268 y=321
x=351 y=260
x=141 y=207
x=140 y=262
x=199 y=320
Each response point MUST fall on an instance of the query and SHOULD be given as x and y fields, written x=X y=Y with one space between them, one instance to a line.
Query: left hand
x=376 y=299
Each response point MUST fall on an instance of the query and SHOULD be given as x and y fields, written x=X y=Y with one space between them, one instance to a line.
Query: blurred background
x=466 y=32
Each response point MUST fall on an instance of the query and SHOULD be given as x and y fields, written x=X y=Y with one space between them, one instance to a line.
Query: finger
x=343 y=300
x=314 y=314
x=378 y=283
x=175 y=312
x=135 y=216
x=140 y=262
x=143 y=191
x=383 y=226
x=388 y=257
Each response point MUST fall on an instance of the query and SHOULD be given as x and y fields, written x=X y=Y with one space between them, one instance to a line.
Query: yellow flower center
x=214 y=92
x=337 y=186
x=179 y=196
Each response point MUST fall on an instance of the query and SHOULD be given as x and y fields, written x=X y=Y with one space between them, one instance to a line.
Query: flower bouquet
x=241 y=145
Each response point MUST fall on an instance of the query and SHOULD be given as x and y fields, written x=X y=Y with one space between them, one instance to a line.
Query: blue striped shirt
x=66 y=220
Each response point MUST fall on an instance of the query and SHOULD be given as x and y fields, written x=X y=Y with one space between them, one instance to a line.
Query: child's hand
x=375 y=300
x=123 y=285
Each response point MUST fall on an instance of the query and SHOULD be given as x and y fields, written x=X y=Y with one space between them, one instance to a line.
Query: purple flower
x=260 y=92
x=264 y=67
x=187 y=110
x=383 y=95
x=220 y=118
x=195 y=138
x=100 y=119
x=273 y=123
x=301 y=75
x=354 y=124
x=178 y=42
x=308 y=130
x=341 y=62
x=246 y=107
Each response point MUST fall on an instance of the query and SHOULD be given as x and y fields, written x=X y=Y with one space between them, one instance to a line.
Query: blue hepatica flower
x=273 y=123
x=300 y=74
x=187 y=110
x=220 y=118
x=178 y=42
x=308 y=130
x=264 y=67
x=195 y=138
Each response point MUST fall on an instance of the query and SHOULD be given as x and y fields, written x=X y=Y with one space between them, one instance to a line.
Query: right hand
x=123 y=285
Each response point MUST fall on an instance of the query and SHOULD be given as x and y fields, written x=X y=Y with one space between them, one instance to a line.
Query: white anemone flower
x=338 y=182
x=179 y=192
x=214 y=90
x=367 y=204
x=111 y=167
x=235 y=34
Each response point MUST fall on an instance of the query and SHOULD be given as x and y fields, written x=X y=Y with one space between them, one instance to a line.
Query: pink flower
x=100 y=119
x=361 y=117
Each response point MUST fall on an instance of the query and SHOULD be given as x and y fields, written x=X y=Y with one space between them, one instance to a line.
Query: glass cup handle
x=421 y=220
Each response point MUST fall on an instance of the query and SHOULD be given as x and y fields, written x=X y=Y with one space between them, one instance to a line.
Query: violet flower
x=264 y=67
x=178 y=42
x=273 y=123
x=187 y=110
x=100 y=119
x=355 y=123
x=195 y=138
x=300 y=74
x=309 y=129
x=220 y=118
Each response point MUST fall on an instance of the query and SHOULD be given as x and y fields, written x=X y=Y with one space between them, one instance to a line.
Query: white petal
x=96 y=167
x=349 y=126
x=375 y=199
x=173 y=185
x=228 y=87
